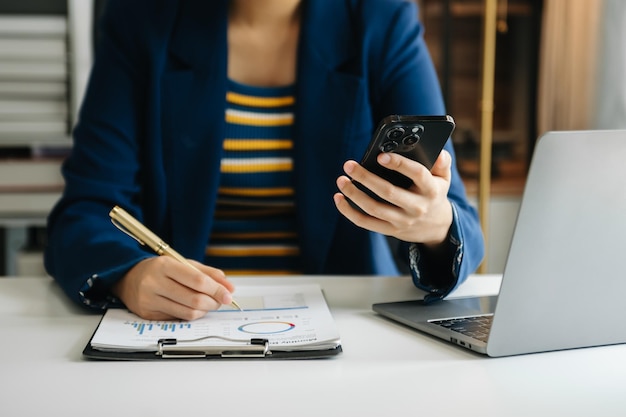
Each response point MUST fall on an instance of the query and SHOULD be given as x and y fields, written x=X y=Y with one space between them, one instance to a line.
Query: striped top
x=254 y=228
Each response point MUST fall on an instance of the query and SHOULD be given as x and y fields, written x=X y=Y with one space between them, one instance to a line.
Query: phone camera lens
x=395 y=133
x=389 y=146
x=411 y=140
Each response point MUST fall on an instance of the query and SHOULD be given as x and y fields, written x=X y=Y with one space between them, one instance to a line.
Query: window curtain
x=568 y=63
x=610 y=108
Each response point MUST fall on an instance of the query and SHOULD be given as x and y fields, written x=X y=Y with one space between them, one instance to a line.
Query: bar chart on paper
x=148 y=326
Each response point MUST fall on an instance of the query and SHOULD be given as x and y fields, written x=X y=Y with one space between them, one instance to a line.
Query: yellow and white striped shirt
x=255 y=227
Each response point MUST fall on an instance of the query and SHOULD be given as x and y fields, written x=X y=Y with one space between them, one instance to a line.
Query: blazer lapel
x=194 y=91
x=331 y=113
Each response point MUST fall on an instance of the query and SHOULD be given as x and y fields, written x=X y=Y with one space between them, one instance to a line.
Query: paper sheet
x=292 y=317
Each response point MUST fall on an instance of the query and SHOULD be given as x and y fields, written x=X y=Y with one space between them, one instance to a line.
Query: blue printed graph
x=143 y=327
x=266 y=327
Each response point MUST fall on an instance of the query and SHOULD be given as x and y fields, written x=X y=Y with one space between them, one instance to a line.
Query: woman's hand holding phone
x=417 y=208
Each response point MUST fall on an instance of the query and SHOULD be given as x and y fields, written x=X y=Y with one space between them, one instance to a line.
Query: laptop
x=564 y=281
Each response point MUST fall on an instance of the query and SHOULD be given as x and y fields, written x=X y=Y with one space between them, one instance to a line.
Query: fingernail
x=342 y=181
x=446 y=157
x=227 y=299
x=347 y=167
x=384 y=158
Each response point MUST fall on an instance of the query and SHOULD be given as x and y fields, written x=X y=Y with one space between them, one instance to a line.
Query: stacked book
x=35 y=119
x=34 y=107
x=34 y=112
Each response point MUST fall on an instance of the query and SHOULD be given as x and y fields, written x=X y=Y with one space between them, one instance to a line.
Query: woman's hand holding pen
x=162 y=288
x=420 y=214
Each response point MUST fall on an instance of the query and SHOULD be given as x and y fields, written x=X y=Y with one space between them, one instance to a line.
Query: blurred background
x=559 y=65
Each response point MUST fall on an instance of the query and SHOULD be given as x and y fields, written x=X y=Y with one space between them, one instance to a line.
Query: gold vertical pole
x=486 y=120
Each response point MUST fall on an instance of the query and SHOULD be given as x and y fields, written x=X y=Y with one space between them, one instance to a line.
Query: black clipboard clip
x=233 y=348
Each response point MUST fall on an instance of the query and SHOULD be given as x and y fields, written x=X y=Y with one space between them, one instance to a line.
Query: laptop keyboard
x=475 y=326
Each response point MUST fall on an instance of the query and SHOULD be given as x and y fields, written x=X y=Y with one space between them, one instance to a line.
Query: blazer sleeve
x=85 y=252
x=403 y=80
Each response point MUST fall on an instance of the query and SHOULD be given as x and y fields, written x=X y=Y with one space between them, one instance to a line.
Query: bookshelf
x=45 y=57
x=453 y=32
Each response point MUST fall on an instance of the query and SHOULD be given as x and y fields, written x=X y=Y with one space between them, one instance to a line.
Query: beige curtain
x=610 y=110
x=567 y=68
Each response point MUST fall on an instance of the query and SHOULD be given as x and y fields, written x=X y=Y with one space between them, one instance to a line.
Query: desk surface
x=385 y=368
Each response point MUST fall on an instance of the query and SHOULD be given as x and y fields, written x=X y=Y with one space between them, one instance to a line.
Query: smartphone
x=420 y=138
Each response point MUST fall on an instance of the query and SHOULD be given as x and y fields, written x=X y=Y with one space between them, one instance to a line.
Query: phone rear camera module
x=395 y=133
x=389 y=146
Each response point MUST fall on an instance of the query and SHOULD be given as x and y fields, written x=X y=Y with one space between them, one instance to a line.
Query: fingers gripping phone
x=420 y=138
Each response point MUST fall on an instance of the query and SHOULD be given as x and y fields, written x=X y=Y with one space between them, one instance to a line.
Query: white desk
x=385 y=370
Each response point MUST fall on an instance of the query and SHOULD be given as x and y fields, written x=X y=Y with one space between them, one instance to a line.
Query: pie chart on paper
x=266 y=327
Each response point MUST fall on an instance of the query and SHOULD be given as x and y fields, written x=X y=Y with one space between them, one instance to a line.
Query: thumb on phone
x=443 y=166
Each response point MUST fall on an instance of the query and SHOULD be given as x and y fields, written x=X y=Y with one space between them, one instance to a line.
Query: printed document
x=290 y=317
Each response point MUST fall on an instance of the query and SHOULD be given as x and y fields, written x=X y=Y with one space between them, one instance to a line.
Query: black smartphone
x=420 y=138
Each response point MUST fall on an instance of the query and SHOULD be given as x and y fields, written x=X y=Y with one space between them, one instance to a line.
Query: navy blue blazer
x=150 y=131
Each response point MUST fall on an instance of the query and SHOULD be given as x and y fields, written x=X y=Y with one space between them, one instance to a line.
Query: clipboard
x=281 y=322
x=255 y=348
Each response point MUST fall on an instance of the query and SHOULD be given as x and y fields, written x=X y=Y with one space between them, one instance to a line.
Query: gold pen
x=133 y=228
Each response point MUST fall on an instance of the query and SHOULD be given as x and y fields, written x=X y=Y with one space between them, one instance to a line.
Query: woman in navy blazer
x=150 y=133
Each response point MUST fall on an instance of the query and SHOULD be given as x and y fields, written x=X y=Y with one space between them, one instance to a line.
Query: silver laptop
x=564 y=283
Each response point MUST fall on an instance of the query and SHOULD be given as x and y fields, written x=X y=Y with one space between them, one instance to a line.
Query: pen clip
x=123 y=229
